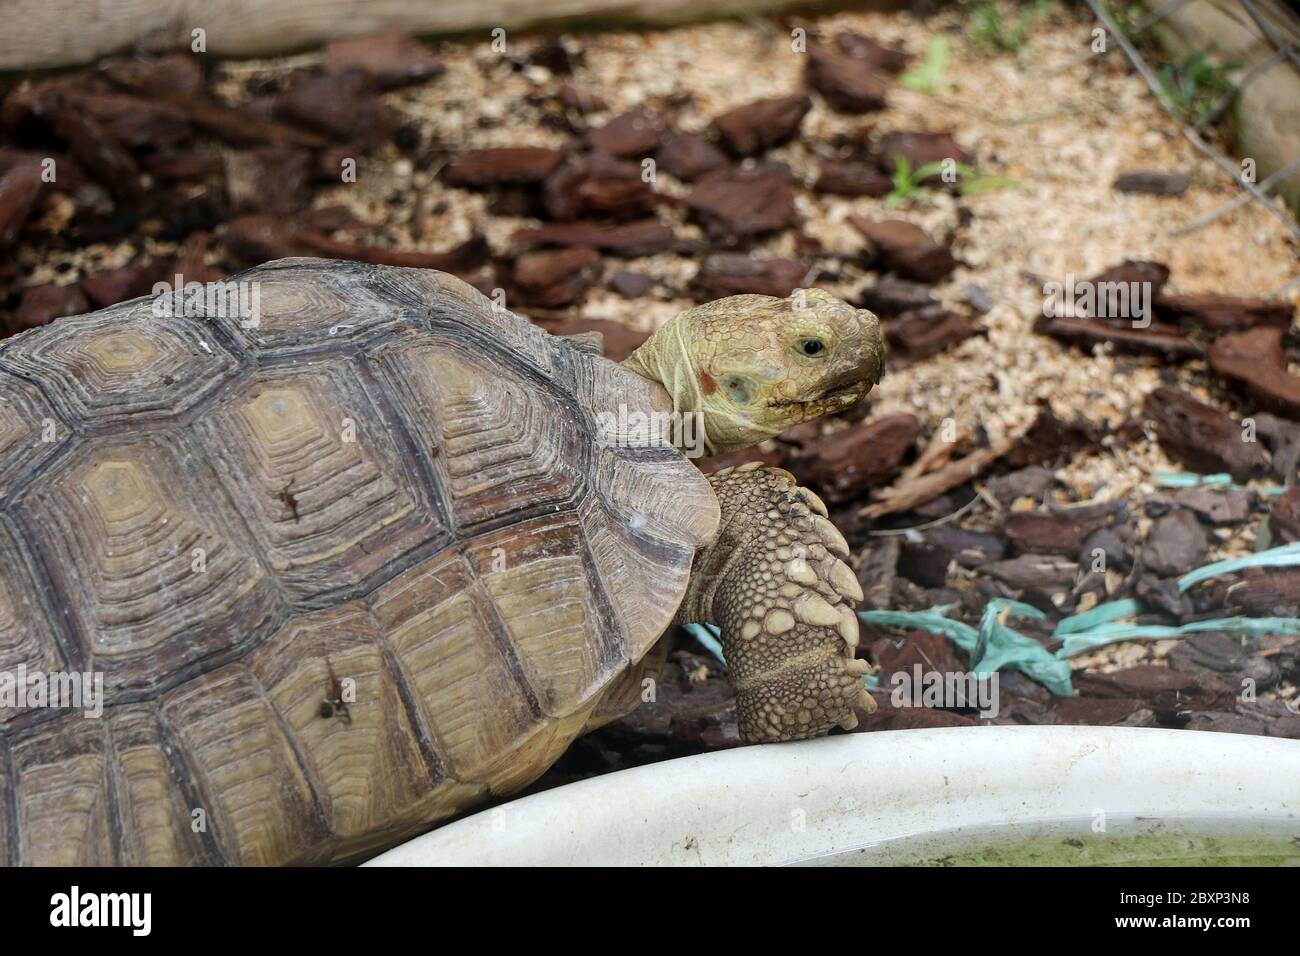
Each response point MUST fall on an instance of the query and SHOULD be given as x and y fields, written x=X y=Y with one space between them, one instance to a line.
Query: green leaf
x=928 y=77
x=928 y=170
x=989 y=27
x=902 y=171
x=986 y=184
x=904 y=187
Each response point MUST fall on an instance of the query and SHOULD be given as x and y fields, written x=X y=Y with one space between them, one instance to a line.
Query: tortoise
x=341 y=565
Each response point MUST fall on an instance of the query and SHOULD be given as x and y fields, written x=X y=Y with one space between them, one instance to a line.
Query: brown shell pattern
x=344 y=571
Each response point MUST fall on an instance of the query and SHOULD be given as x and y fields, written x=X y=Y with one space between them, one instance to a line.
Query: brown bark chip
x=850 y=85
x=1200 y=436
x=1256 y=361
x=756 y=127
x=847 y=463
x=739 y=203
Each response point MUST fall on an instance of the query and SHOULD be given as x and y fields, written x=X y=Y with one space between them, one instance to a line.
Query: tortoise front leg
x=773 y=582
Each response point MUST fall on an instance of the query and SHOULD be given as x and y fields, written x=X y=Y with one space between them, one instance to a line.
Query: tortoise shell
x=347 y=565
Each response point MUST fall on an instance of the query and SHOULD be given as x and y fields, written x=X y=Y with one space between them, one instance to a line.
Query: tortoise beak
x=860 y=369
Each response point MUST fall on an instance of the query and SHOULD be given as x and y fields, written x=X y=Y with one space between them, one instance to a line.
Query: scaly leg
x=773 y=582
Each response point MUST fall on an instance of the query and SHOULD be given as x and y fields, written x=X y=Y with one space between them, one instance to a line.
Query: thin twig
x=1237 y=201
x=929 y=524
x=989 y=500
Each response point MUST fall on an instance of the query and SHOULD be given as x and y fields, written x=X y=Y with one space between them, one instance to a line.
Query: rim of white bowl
x=783 y=803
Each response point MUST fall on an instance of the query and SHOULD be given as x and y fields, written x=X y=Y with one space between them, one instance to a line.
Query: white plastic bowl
x=1044 y=795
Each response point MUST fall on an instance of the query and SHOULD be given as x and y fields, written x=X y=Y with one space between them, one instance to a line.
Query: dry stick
x=1237 y=201
x=905 y=495
x=1189 y=134
x=951 y=516
x=937 y=453
x=982 y=491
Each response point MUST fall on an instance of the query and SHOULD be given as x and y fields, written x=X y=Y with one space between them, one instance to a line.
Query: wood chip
x=848 y=462
x=852 y=179
x=738 y=203
x=907 y=249
x=1256 y=361
x=1203 y=438
x=925 y=332
x=921 y=149
x=636 y=133
x=641 y=238
x=689 y=156
x=736 y=273
x=881 y=58
x=389 y=59
x=1225 y=313
x=910 y=492
x=848 y=84
x=757 y=127
x=477 y=168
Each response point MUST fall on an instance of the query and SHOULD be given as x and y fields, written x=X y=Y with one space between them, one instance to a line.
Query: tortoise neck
x=665 y=358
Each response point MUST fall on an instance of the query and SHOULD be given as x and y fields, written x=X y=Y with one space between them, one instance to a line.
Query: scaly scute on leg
x=773 y=580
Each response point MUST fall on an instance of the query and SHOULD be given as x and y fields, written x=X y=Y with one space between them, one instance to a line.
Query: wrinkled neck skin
x=666 y=357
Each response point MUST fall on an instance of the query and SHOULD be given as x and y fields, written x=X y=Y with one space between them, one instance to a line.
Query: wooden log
x=40 y=34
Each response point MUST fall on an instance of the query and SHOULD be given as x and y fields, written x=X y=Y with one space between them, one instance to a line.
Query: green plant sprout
x=1195 y=85
x=928 y=76
x=989 y=28
x=908 y=183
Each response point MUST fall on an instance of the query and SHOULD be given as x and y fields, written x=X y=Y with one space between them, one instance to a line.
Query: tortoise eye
x=812 y=346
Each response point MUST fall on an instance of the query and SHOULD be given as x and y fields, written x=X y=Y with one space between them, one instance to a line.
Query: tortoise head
x=753 y=366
